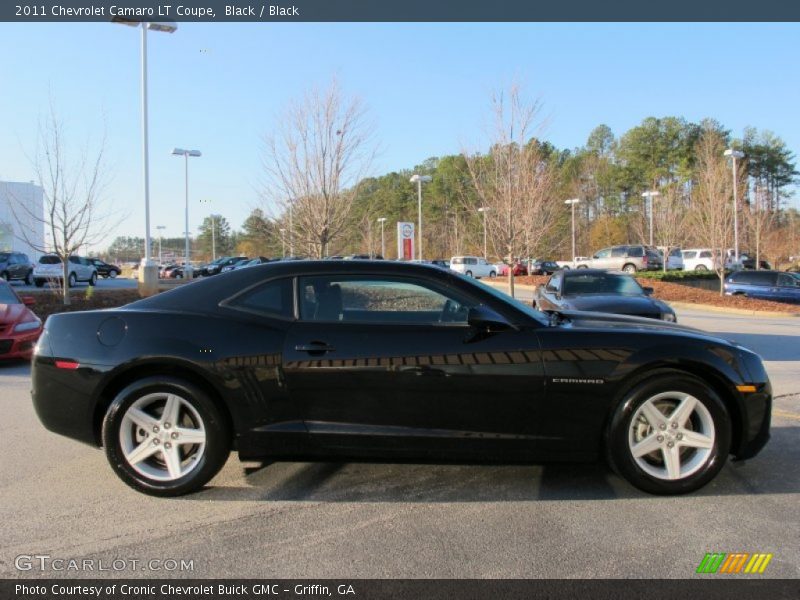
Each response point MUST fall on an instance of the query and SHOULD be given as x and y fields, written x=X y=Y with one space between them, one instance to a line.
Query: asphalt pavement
x=342 y=520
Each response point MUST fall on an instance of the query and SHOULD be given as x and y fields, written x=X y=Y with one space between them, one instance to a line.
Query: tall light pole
x=484 y=209
x=160 y=229
x=382 y=220
x=148 y=274
x=283 y=241
x=187 y=268
x=650 y=195
x=734 y=154
x=572 y=204
x=419 y=180
x=214 y=220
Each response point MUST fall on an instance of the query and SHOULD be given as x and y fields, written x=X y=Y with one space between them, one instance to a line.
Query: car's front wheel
x=93 y=279
x=671 y=434
x=165 y=436
x=72 y=280
x=701 y=268
x=29 y=278
x=629 y=268
x=113 y=274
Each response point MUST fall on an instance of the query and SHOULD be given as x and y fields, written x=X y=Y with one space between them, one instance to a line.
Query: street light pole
x=650 y=195
x=382 y=220
x=572 y=204
x=419 y=180
x=148 y=274
x=734 y=154
x=483 y=210
x=187 y=268
x=160 y=229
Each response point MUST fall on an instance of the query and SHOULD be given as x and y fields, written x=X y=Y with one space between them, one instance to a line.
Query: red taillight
x=67 y=364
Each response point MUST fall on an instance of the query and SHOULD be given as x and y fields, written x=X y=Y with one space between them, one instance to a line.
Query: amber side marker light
x=746 y=388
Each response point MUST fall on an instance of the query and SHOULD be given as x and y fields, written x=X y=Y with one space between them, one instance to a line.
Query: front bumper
x=19 y=346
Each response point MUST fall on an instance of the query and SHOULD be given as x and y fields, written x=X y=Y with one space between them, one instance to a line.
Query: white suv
x=699 y=259
x=50 y=268
x=473 y=266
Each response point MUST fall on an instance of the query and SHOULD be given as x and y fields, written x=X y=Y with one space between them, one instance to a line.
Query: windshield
x=7 y=295
x=538 y=315
x=601 y=283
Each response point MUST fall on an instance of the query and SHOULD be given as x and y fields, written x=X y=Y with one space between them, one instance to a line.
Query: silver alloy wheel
x=162 y=436
x=629 y=269
x=671 y=435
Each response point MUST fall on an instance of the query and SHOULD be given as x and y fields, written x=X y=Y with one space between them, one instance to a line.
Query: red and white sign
x=405 y=241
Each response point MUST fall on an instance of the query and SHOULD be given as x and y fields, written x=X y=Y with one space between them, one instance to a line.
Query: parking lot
x=407 y=520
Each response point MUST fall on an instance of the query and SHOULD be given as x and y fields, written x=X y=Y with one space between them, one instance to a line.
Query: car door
x=15 y=267
x=484 y=268
x=389 y=364
x=787 y=288
x=602 y=259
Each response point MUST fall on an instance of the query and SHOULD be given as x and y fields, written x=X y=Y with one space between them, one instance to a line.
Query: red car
x=519 y=270
x=19 y=327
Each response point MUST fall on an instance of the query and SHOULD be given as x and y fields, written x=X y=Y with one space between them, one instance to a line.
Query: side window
x=619 y=251
x=554 y=285
x=689 y=254
x=705 y=254
x=12 y=259
x=637 y=252
x=786 y=281
x=272 y=298
x=74 y=260
x=482 y=261
x=365 y=299
x=471 y=261
x=675 y=253
x=604 y=253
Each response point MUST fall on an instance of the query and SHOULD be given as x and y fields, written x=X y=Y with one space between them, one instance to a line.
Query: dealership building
x=21 y=214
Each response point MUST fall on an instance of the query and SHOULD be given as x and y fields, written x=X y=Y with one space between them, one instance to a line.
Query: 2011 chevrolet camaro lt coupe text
x=359 y=359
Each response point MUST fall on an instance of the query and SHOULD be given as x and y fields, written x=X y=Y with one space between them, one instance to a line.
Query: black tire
x=629 y=268
x=72 y=280
x=618 y=446
x=468 y=273
x=492 y=274
x=701 y=268
x=582 y=267
x=29 y=278
x=38 y=282
x=113 y=273
x=217 y=432
x=93 y=279
x=4 y=276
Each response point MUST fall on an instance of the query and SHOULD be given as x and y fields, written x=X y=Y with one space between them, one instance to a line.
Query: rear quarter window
x=273 y=298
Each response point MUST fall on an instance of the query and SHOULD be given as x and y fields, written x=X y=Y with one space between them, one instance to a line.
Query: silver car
x=628 y=258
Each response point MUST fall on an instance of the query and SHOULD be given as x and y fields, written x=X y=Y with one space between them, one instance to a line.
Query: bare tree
x=320 y=150
x=514 y=181
x=74 y=214
x=761 y=220
x=712 y=211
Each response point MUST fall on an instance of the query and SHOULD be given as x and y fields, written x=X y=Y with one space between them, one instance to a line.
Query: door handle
x=314 y=348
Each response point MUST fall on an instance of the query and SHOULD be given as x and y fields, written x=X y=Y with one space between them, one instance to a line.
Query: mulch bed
x=677 y=292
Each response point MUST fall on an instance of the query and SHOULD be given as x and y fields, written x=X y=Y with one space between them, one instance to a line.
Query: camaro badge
x=573 y=380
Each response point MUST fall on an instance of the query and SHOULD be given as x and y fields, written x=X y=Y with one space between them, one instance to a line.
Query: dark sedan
x=106 y=270
x=325 y=360
x=600 y=291
x=544 y=267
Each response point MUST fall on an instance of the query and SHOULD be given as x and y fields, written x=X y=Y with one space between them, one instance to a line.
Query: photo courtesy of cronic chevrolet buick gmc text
x=321 y=360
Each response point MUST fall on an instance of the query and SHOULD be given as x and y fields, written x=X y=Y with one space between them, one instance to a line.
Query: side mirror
x=648 y=291
x=485 y=319
x=28 y=300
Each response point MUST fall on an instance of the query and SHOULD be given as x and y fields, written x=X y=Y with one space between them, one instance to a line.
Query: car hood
x=598 y=320
x=615 y=303
x=12 y=313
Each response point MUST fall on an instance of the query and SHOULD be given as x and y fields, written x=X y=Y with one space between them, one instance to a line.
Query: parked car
x=597 y=290
x=628 y=258
x=519 y=269
x=177 y=272
x=365 y=368
x=473 y=266
x=441 y=263
x=19 y=326
x=16 y=265
x=766 y=285
x=205 y=270
x=105 y=269
x=218 y=265
x=747 y=260
x=544 y=267
x=259 y=260
x=50 y=268
x=231 y=265
x=674 y=258
x=699 y=259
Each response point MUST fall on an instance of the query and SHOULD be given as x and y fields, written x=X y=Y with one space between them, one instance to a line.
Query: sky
x=220 y=88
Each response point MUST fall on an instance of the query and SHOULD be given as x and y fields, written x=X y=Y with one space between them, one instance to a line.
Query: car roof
x=204 y=295
x=573 y=272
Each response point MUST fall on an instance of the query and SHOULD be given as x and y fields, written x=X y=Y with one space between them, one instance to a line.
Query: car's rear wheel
x=671 y=434
x=468 y=273
x=629 y=268
x=701 y=268
x=39 y=282
x=112 y=273
x=72 y=280
x=29 y=278
x=582 y=267
x=492 y=274
x=165 y=436
x=93 y=279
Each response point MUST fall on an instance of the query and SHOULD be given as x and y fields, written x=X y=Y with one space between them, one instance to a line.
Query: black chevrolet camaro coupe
x=367 y=359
